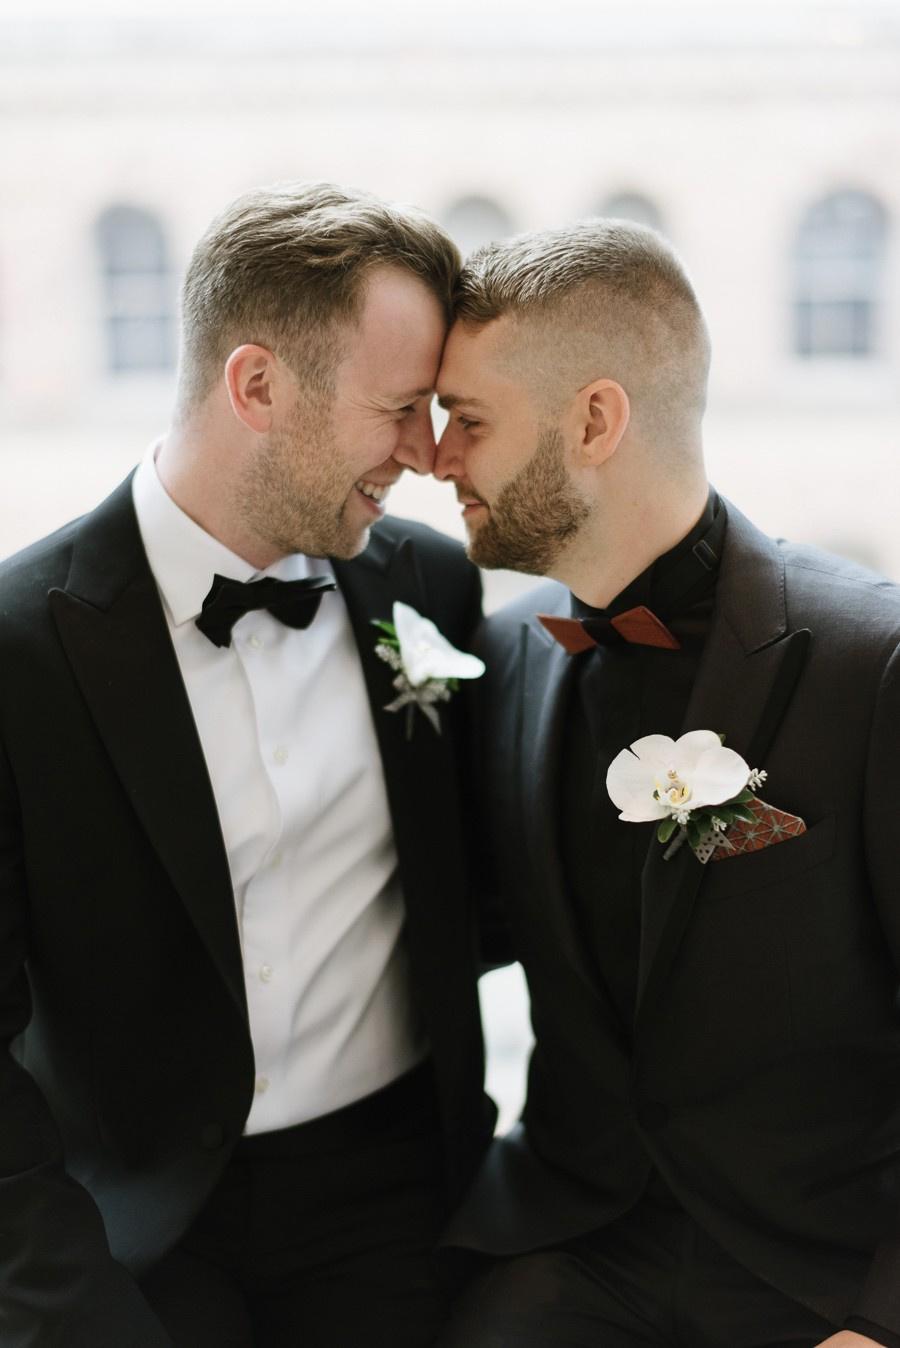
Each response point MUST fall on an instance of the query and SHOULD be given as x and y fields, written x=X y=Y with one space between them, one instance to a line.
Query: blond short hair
x=610 y=298
x=285 y=267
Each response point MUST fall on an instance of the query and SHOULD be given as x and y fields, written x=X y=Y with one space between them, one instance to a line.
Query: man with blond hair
x=238 y=985
x=709 y=1155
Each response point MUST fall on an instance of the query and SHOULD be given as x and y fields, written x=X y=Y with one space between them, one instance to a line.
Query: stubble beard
x=294 y=495
x=535 y=516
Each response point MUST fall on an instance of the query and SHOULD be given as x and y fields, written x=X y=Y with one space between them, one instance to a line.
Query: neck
x=610 y=553
x=199 y=467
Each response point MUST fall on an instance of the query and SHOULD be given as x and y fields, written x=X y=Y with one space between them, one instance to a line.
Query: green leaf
x=744 y=796
x=742 y=812
x=666 y=829
x=694 y=832
x=726 y=814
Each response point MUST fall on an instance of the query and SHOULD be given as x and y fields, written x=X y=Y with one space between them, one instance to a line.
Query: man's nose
x=448 y=461
x=416 y=447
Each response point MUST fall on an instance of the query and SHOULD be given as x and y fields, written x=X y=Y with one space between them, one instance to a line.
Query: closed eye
x=467 y=422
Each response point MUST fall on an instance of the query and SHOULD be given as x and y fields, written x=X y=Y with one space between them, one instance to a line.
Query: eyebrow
x=411 y=396
x=450 y=400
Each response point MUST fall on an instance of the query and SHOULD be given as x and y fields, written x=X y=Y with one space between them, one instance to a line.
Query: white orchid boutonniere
x=427 y=668
x=693 y=785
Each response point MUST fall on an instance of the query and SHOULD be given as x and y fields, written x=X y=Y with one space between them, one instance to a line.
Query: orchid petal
x=655 y=751
x=720 y=775
x=426 y=653
x=691 y=747
x=631 y=782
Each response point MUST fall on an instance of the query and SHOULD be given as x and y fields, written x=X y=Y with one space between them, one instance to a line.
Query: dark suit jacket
x=765 y=1078
x=120 y=972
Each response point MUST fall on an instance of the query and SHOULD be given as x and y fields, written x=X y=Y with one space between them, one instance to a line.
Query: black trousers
x=652 y=1279
x=319 y=1236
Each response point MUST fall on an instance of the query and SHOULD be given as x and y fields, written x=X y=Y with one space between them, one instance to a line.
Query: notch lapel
x=112 y=627
x=747 y=677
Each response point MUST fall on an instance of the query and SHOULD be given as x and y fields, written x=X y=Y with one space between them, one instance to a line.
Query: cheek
x=490 y=464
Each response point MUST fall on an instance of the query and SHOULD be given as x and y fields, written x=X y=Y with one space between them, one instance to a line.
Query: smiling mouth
x=375 y=491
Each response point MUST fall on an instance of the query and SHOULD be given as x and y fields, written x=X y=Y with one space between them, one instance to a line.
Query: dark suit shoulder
x=840 y=597
x=425 y=539
x=26 y=576
x=451 y=584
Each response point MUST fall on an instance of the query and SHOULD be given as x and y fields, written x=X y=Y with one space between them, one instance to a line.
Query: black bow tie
x=293 y=602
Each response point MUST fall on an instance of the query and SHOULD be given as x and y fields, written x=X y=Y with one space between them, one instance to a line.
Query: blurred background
x=762 y=138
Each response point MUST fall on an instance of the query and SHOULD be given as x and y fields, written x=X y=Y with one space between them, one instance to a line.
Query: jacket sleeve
x=59 y=1284
x=879 y=1302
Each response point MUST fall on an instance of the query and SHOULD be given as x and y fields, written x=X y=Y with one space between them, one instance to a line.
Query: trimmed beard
x=535 y=515
x=294 y=493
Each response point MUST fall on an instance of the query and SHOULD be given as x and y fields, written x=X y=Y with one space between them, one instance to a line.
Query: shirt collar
x=184 y=557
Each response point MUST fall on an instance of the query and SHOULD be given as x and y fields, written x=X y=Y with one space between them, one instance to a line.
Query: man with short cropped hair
x=709 y=1155
x=236 y=964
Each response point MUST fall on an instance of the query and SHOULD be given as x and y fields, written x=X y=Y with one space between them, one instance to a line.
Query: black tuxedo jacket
x=765 y=1077
x=121 y=985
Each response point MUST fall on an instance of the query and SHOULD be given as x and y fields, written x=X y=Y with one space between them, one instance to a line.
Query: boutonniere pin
x=427 y=669
x=694 y=787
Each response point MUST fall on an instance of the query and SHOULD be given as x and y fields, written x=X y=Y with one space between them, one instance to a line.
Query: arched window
x=635 y=207
x=838 y=261
x=472 y=221
x=138 y=298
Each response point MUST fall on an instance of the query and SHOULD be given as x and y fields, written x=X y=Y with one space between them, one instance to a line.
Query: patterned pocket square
x=769 y=826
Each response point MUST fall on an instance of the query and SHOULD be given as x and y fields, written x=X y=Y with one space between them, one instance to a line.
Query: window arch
x=838 y=263
x=475 y=220
x=635 y=207
x=137 y=291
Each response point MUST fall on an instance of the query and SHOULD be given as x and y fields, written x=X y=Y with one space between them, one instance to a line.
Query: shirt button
x=281 y=754
x=276 y=860
x=262 y=1085
x=266 y=973
x=255 y=642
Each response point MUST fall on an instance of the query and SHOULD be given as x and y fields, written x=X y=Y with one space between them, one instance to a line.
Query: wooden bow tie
x=638 y=626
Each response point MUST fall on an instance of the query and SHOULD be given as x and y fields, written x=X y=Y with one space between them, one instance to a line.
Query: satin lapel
x=747 y=676
x=547 y=677
x=420 y=771
x=113 y=630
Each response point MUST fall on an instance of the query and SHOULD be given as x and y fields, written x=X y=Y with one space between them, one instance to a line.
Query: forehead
x=471 y=365
x=400 y=330
x=392 y=296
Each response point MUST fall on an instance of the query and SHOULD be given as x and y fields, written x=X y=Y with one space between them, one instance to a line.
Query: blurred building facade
x=766 y=149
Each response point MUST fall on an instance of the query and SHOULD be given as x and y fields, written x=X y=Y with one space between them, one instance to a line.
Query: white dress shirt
x=286 y=730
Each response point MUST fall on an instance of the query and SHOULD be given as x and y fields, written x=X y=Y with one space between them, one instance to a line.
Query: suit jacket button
x=651 y=1114
x=212 y=1137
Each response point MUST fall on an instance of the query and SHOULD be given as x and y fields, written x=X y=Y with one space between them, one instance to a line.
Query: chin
x=344 y=549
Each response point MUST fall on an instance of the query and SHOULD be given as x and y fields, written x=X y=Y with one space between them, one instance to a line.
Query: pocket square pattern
x=768 y=827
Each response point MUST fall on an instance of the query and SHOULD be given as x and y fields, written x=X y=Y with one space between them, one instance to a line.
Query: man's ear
x=251 y=375
x=603 y=415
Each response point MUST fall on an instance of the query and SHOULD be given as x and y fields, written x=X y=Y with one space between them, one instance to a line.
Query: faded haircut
x=600 y=298
x=285 y=267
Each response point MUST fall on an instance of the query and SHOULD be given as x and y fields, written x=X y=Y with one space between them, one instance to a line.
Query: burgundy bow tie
x=638 y=626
